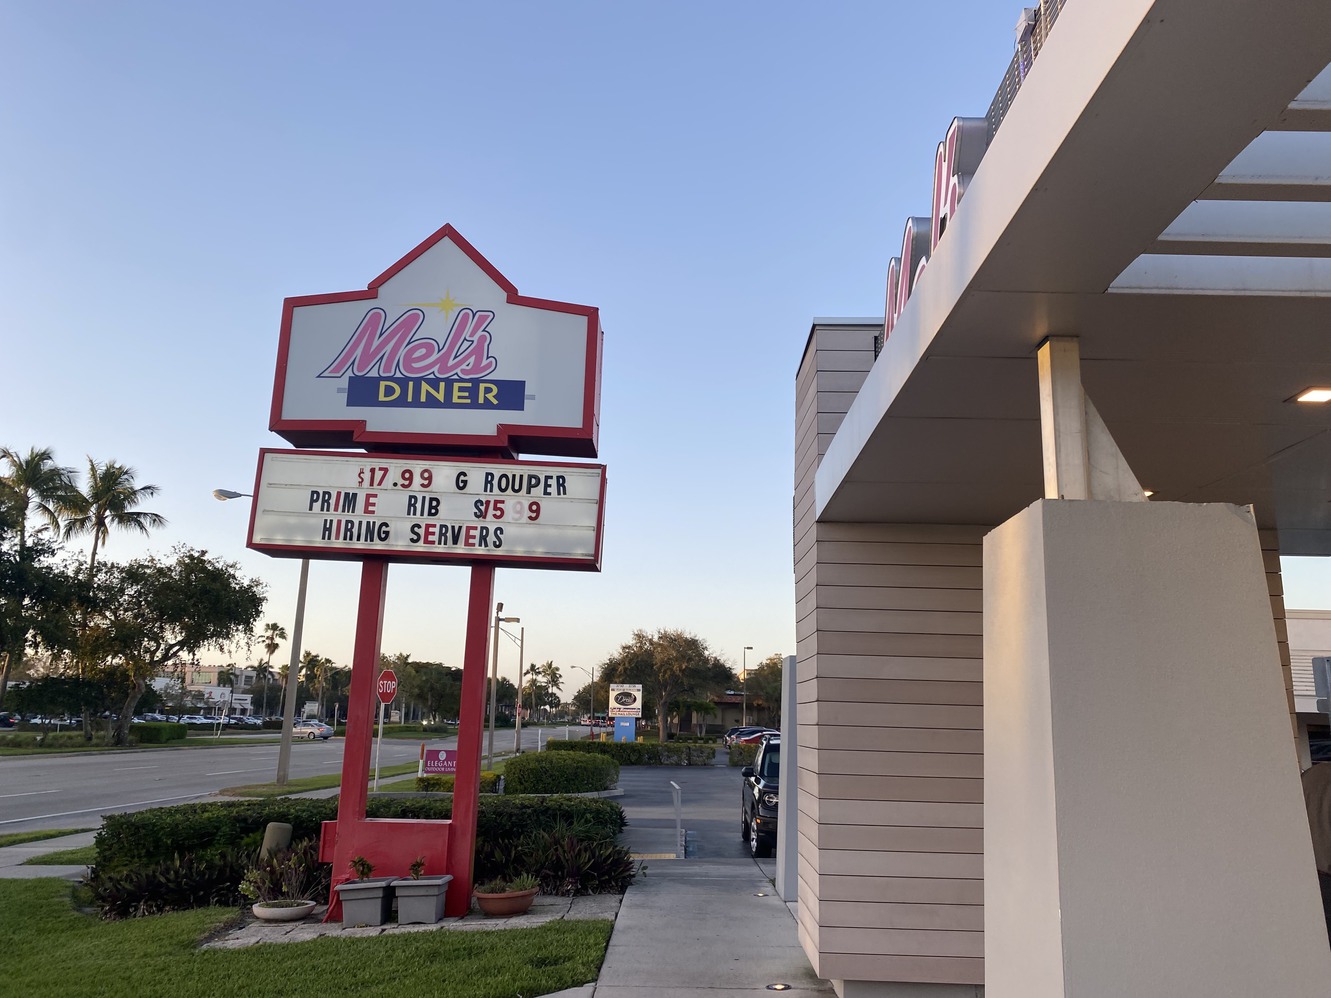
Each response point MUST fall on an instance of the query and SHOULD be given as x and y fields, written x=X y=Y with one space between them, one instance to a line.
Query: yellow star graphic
x=446 y=304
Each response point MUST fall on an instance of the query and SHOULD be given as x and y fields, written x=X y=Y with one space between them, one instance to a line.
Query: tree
x=672 y=666
x=263 y=673
x=273 y=635
x=38 y=597
x=31 y=483
x=108 y=501
x=763 y=684
x=435 y=687
x=314 y=674
x=152 y=613
x=34 y=483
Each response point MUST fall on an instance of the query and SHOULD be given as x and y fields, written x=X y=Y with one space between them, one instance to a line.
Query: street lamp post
x=744 y=682
x=494 y=678
x=288 y=691
x=591 y=696
x=517 y=710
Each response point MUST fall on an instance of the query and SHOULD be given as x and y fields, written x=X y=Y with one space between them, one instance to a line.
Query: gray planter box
x=366 y=902
x=420 y=900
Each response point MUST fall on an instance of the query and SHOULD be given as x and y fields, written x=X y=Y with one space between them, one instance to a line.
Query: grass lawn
x=81 y=856
x=51 y=949
x=18 y=838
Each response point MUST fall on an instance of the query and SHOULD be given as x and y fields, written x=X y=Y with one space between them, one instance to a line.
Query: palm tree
x=273 y=635
x=263 y=673
x=35 y=484
x=314 y=673
x=109 y=501
x=32 y=483
x=554 y=681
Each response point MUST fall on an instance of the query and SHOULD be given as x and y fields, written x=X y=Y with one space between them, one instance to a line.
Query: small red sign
x=387 y=688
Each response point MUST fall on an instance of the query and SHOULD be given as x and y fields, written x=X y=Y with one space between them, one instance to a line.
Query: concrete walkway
x=709 y=924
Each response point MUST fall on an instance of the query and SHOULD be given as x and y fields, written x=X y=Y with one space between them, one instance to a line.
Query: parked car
x=732 y=734
x=760 y=795
x=311 y=729
x=755 y=736
x=8 y=720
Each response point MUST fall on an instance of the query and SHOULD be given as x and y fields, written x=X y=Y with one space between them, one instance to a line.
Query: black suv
x=759 y=796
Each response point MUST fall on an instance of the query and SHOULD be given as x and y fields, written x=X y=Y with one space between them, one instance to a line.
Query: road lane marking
x=31 y=793
x=231 y=772
x=90 y=810
x=127 y=769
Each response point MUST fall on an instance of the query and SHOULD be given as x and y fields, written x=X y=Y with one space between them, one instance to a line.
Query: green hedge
x=158 y=835
x=444 y=784
x=743 y=755
x=158 y=732
x=559 y=773
x=641 y=753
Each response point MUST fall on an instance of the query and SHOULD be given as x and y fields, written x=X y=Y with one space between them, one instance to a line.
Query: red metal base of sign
x=391 y=845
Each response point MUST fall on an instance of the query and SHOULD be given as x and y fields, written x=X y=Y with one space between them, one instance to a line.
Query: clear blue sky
x=709 y=175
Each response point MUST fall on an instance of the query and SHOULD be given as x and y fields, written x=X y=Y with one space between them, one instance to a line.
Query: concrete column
x=1144 y=829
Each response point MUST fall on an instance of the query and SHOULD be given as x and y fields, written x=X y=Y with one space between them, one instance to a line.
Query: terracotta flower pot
x=506 y=904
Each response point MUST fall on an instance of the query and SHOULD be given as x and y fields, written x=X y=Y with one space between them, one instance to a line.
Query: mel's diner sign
x=440 y=352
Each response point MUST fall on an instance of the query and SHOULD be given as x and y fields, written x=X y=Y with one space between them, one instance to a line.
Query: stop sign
x=387 y=687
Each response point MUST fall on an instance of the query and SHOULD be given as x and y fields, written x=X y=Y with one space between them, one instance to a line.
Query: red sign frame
x=559 y=441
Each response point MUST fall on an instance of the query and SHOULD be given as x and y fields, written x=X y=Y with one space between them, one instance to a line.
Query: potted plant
x=504 y=898
x=286 y=885
x=365 y=900
x=420 y=898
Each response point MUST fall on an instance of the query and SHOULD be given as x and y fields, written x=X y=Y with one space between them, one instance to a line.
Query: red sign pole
x=467 y=783
x=360 y=725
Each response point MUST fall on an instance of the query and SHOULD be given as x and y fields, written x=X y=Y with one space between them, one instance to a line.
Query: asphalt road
x=76 y=790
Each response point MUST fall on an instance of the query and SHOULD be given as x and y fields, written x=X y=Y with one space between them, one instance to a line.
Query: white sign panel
x=625 y=700
x=338 y=505
x=440 y=351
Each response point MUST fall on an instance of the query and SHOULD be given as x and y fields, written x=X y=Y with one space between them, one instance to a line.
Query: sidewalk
x=709 y=925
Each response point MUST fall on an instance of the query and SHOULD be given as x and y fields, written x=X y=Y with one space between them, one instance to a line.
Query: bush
x=293 y=874
x=641 y=753
x=567 y=857
x=559 y=773
x=157 y=835
x=159 y=732
x=177 y=884
x=444 y=784
x=695 y=739
x=743 y=755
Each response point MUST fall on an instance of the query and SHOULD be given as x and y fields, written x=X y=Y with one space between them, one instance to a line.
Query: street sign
x=387 y=687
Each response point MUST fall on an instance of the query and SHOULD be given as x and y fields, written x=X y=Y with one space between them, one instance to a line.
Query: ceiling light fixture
x=1314 y=395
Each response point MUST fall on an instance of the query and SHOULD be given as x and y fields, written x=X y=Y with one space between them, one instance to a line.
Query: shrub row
x=444 y=784
x=641 y=753
x=559 y=773
x=158 y=835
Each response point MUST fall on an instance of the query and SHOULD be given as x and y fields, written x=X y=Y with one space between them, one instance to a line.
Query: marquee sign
x=330 y=504
x=439 y=353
